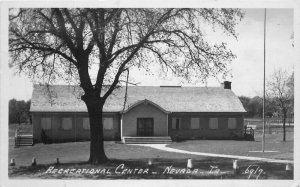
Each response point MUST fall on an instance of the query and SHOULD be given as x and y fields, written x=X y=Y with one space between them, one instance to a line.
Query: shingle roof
x=65 y=98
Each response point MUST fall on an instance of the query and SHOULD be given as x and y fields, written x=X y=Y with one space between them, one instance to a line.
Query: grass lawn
x=273 y=142
x=74 y=156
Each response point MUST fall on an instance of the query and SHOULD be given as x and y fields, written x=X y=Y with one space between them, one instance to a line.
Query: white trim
x=145 y=101
x=121 y=128
x=167 y=124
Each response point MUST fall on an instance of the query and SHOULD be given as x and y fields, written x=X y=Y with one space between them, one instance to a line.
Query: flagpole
x=264 y=97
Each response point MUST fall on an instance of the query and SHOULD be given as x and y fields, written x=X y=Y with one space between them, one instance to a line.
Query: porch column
x=121 y=128
x=167 y=124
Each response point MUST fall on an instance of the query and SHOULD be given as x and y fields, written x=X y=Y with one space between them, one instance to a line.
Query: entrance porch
x=144 y=121
x=147 y=140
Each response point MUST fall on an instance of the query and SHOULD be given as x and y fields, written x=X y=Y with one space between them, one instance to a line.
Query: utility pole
x=264 y=97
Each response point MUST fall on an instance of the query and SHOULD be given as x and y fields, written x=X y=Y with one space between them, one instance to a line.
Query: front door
x=145 y=127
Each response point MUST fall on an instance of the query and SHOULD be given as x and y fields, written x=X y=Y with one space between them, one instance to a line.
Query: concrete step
x=24 y=140
x=147 y=140
x=25 y=144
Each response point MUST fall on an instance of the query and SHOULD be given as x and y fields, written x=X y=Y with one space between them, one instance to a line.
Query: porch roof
x=66 y=98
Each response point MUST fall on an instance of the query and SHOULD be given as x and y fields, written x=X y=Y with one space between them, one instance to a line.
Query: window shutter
x=86 y=123
x=173 y=123
x=67 y=123
x=178 y=123
x=46 y=123
x=213 y=123
x=231 y=123
x=195 y=123
x=108 y=123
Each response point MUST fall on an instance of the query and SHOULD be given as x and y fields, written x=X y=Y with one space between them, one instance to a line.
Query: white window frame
x=46 y=123
x=86 y=123
x=108 y=124
x=213 y=123
x=66 y=123
x=232 y=123
x=195 y=123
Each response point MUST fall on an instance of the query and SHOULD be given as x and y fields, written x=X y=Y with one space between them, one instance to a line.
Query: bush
x=177 y=138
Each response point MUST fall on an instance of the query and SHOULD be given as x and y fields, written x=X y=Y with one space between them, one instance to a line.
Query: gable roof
x=145 y=101
x=66 y=98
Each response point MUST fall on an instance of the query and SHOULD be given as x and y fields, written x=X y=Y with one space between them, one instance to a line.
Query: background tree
x=19 y=111
x=253 y=106
x=94 y=47
x=280 y=92
x=245 y=101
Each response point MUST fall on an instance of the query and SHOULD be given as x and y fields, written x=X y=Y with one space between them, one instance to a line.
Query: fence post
x=12 y=162
x=235 y=166
x=33 y=162
x=189 y=164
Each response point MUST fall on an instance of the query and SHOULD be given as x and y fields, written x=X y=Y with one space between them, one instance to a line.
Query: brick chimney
x=227 y=85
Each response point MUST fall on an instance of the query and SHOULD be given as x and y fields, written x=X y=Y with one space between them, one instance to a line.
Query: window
x=66 y=123
x=86 y=123
x=213 y=123
x=195 y=123
x=231 y=123
x=176 y=123
x=108 y=123
x=46 y=123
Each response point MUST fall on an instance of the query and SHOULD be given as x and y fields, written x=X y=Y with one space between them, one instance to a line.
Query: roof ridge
x=164 y=87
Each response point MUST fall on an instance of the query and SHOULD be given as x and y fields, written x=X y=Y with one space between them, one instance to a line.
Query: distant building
x=185 y=112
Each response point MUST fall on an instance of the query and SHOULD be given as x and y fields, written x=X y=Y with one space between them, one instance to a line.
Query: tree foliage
x=280 y=92
x=254 y=107
x=19 y=111
x=48 y=44
x=94 y=47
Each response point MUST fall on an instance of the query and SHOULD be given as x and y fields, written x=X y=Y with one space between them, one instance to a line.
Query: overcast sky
x=247 y=68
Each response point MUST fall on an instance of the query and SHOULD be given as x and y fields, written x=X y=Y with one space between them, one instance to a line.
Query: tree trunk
x=283 y=126
x=95 y=108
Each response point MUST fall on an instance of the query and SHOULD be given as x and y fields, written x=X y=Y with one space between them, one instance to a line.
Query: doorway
x=144 y=126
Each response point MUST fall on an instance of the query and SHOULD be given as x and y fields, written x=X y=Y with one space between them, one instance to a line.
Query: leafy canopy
x=95 y=46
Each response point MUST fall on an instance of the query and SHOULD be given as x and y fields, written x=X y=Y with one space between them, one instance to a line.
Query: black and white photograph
x=142 y=92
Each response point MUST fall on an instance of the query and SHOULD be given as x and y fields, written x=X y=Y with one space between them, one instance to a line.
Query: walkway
x=169 y=149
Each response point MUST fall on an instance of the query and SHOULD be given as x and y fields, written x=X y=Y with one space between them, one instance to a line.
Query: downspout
x=124 y=105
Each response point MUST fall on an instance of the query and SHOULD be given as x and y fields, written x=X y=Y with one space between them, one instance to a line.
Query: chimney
x=227 y=85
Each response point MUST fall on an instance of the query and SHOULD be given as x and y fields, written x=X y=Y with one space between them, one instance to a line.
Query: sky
x=246 y=69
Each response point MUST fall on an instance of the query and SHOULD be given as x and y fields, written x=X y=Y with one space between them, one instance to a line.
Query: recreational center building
x=149 y=111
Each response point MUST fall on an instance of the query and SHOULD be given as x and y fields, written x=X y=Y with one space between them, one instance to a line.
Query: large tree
x=96 y=47
x=280 y=92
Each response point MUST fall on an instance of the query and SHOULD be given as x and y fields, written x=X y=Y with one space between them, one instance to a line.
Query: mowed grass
x=75 y=155
x=273 y=142
x=79 y=152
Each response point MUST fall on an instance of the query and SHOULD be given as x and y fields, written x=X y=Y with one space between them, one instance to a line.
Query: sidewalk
x=169 y=149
